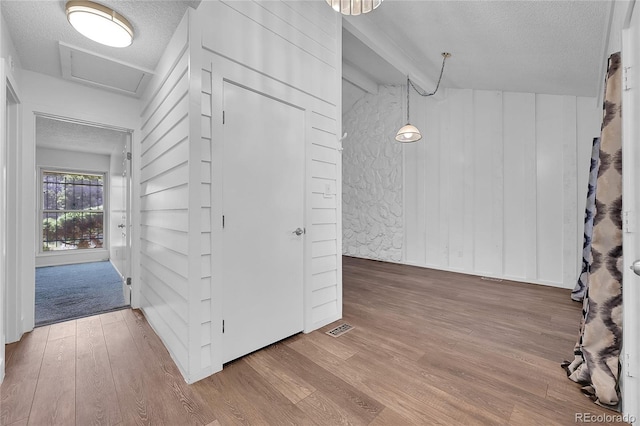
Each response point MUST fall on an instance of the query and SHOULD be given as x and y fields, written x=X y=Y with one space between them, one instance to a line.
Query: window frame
x=105 y=210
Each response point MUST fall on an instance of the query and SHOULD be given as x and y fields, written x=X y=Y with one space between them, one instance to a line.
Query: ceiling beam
x=355 y=76
x=368 y=33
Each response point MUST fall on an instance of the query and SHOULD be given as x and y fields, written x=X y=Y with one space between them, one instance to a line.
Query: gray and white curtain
x=597 y=351
x=589 y=214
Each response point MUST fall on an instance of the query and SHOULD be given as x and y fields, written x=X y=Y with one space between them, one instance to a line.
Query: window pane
x=72 y=216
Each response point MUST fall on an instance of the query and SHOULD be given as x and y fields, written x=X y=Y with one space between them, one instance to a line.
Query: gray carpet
x=75 y=291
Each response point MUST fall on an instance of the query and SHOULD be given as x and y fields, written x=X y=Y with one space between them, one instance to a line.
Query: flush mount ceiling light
x=99 y=23
x=354 y=7
x=408 y=132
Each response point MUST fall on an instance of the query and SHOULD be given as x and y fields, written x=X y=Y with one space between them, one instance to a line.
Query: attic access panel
x=92 y=69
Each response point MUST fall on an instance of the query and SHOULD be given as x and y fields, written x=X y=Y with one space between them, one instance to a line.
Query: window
x=72 y=211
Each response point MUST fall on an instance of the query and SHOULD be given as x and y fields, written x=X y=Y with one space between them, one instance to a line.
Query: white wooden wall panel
x=205 y=237
x=167 y=219
x=172 y=178
x=179 y=282
x=519 y=132
x=570 y=242
x=167 y=141
x=165 y=201
x=500 y=185
x=307 y=73
x=272 y=45
x=291 y=26
x=433 y=247
x=176 y=155
x=488 y=182
x=549 y=210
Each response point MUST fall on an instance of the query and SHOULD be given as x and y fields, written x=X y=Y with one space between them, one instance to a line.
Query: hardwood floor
x=428 y=347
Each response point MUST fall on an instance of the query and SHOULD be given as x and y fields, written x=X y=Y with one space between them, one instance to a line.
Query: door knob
x=636 y=267
x=299 y=231
x=121 y=225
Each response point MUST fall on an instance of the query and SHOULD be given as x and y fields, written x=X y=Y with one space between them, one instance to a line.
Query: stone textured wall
x=372 y=177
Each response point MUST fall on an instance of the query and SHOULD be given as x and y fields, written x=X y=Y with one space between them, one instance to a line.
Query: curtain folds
x=589 y=214
x=597 y=351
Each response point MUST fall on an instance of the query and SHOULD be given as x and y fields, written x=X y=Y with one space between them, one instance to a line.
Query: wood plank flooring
x=429 y=347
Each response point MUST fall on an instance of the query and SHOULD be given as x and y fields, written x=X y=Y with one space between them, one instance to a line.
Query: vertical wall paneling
x=206 y=244
x=199 y=197
x=289 y=51
x=461 y=175
x=504 y=185
x=444 y=189
x=519 y=137
x=432 y=188
x=570 y=242
x=549 y=120
x=414 y=181
x=335 y=21
x=488 y=183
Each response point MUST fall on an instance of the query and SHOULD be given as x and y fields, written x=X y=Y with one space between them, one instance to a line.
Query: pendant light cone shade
x=354 y=7
x=99 y=23
x=408 y=133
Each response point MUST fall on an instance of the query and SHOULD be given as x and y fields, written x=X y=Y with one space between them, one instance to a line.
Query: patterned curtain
x=589 y=214
x=597 y=352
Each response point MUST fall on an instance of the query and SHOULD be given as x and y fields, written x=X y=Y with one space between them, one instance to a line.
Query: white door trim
x=630 y=358
x=11 y=271
x=26 y=173
x=224 y=69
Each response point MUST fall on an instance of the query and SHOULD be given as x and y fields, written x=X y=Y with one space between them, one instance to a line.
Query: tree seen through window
x=72 y=209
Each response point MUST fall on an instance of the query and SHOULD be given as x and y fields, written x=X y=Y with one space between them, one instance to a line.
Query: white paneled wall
x=205 y=182
x=164 y=193
x=291 y=48
x=497 y=185
x=294 y=49
x=326 y=265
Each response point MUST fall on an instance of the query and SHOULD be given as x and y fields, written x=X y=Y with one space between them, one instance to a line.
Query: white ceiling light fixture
x=354 y=7
x=409 y=132
x=99 y=23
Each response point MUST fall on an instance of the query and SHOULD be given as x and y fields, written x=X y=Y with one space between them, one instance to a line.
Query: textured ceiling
x=37 y=26
x=519 y=45
x=68 y=136
x=554 y=47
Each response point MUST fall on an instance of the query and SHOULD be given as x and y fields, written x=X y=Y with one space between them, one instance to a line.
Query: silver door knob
x=299 y=231
x=636 y=267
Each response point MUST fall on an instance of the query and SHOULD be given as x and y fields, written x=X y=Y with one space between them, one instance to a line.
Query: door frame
x=630 y=380
x=28 y=184
x=226 y=70
x=10 y=118
x=227 y=142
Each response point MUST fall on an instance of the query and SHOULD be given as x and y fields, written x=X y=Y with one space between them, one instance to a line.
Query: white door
x=120 y=205
x=125 y=220
x=631 y=198
x=263 y=206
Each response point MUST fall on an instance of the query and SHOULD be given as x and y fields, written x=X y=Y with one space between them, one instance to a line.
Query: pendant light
x=99 y=23
x=409 y=132
x=354 y=7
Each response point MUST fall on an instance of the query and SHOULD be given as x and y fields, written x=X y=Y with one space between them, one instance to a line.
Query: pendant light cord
x=445 y=55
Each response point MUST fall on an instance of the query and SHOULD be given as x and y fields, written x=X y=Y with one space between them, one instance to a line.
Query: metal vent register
x=340 y=330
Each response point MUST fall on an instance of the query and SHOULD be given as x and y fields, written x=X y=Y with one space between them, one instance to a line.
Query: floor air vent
x=340 y=330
